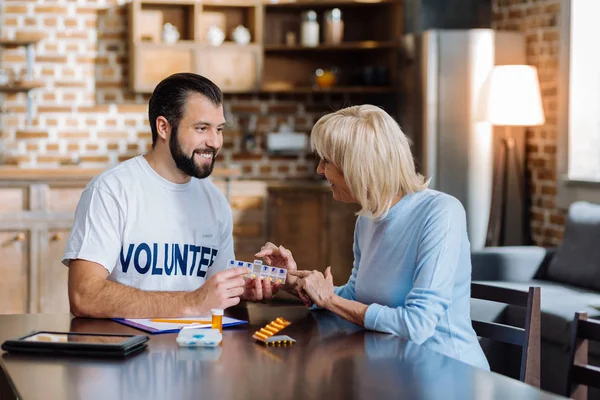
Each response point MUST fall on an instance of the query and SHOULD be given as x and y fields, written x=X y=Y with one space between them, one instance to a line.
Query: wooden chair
x=581 y=374
x=528 y=338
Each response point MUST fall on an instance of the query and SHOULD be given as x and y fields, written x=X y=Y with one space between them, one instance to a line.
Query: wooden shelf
x=326 y=3
x=192 y=45
x=171 y=2
x=21 y=87
x=335 y=89
x=365 y=45
x=211 y=3
x=22 y=41
x=180 y=44
x=230 y=3
x=27 y=39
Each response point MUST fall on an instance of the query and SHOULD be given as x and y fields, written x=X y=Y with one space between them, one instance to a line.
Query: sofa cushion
x=558 y=305
x=577 y=260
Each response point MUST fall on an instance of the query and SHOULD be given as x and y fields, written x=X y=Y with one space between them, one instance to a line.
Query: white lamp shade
x=512 y=97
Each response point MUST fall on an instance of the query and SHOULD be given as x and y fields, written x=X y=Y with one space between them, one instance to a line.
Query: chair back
x=581 y=374
x=529 y=337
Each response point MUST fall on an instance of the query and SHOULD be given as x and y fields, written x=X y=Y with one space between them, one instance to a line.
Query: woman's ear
x=163 y=127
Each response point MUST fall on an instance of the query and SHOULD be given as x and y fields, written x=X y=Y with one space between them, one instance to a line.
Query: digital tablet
x=77 y=344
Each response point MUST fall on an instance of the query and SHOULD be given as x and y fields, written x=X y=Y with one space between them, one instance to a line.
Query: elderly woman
x=412 y=263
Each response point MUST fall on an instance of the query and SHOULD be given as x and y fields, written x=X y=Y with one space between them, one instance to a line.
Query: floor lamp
x=513 y=99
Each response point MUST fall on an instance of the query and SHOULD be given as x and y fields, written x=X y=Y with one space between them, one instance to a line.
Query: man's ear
x=163 y=127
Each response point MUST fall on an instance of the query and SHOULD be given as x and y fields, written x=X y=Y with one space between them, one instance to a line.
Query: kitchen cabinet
x=53 y=293
x=232 y=66
x=35 y=219
x=36 y=214
x=365 y=62
x=14 y=271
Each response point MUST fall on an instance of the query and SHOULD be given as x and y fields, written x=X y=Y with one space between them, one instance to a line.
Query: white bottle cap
x=216 y=311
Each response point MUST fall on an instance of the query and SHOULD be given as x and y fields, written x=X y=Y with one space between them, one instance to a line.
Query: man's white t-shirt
x=150 y=233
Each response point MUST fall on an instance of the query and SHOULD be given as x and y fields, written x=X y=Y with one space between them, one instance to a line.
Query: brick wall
x=84 y=114
x=538 y=20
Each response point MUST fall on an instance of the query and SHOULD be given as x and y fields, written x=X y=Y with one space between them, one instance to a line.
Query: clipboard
x=174 y=325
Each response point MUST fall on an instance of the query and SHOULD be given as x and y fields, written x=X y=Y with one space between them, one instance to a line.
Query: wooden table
x=332 y=359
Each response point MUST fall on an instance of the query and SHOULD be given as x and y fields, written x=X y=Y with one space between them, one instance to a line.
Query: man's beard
x=187 y=164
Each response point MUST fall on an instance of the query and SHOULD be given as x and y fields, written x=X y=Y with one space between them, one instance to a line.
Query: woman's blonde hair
x=373 y=154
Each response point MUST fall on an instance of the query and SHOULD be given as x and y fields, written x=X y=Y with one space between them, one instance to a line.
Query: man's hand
x=318 y=287
x=222 y=290
x=259 y=290
x=279 y=257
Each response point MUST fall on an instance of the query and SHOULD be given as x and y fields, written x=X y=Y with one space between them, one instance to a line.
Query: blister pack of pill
x=267 y=334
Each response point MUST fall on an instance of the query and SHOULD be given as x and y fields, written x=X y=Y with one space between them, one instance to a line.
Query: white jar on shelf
x=215 y=35
x=309 y=31
x=241 y=35
x=170 y=34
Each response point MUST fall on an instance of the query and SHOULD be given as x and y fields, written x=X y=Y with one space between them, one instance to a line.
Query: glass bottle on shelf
x=309 y=35
x=334 y=26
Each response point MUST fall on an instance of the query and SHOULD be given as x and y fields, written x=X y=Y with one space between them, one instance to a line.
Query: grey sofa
x=569 y=277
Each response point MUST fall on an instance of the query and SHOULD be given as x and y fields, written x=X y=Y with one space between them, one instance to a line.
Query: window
x=579 y=103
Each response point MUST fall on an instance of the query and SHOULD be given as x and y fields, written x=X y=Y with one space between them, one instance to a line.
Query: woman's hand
x=282 y=258
x=315 y=285
x=279 y=257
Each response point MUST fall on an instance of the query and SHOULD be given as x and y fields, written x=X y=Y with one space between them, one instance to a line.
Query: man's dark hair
x=170 y=96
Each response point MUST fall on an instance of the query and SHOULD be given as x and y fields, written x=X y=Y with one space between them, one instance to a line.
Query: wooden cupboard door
x=63 y=199
x=13 y=199
x=296 y=221
x=54 y=297
x=233 y=68
x=340 y=254
x=14 y=270
x=248 y=200
x=154 y=62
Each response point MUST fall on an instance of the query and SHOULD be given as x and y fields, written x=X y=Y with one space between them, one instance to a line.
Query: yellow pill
x=261 y=335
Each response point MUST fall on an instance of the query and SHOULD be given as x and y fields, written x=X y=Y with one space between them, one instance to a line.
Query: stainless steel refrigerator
x=442 y=80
